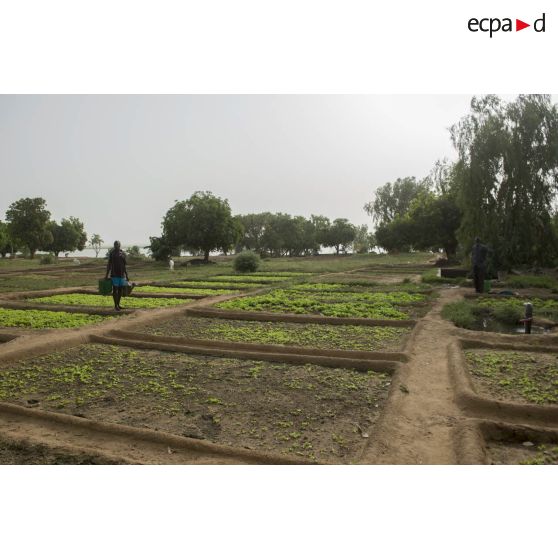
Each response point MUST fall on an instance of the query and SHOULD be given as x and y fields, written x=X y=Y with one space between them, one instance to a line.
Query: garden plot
x=44 y=319
x=129 y=302
x=359 y=287
x=184 y=290
x=306 y=410
x=395 y=305
x=215 y=285
x=514 y=376
x=25 y=453
x=346 y=337
x=521 y=453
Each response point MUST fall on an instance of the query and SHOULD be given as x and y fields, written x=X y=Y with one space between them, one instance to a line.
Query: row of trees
x=503 y=188
x=204 y=223
x=29 y=227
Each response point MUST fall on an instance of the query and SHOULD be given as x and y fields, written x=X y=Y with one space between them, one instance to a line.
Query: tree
x=96 y=242
x=395 y=236
x=361 y=244
x=160 y=249
x=67 y=236
x=433 y=222
x=28 y=221
x=253 y=225
x=201 y=223
x=508 y=173
x=4 y=239
x=322 y=225
x=394 y=200
x=341 y=235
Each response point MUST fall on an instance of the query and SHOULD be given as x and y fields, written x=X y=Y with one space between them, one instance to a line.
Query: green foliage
x=201 y=223
x=461 y=313
x=67 y=236
x=198 y=284
x=394 y=200
x=28 y=221
x=134 y=252
x=526 y=281
x=324 y=336
x=40 y=319
x=161 y=249
x=341 y=235
x=96 y=243
x=106 y=301
x=508 y=163
x=292 y=302
x=182 y=290
x=246 y=262
x=47 y=259
x=507 y=313
x=532 y=377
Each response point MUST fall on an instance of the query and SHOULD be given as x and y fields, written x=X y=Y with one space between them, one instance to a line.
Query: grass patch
x=106 y=301
x=527 y=281
x=42 y=319
x=431 y=277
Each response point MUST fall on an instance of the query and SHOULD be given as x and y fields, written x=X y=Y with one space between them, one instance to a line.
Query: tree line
x=204 y=223
x=28 y=227
x=502 y=188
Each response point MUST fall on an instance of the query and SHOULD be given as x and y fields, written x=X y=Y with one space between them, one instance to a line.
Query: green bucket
x=105 y=286
x=487 y=286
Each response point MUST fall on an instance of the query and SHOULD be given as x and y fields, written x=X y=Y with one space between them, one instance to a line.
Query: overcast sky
x=119 y=162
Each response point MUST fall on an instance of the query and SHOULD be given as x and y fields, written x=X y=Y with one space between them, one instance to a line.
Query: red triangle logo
x=519 y=25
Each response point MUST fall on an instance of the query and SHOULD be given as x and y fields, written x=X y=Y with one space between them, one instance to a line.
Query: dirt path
x=418 y=422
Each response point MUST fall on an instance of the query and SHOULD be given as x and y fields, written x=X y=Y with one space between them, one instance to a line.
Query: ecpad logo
x=492 y=25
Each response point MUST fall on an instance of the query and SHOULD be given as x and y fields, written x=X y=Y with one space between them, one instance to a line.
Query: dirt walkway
x=419 y=419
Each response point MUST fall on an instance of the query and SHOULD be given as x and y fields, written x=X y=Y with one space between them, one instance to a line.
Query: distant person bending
x=171 y=264
x=478 y=259
x=116 y=267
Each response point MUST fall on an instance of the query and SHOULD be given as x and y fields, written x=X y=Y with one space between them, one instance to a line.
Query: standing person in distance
x=116 y=267
x=478 y=259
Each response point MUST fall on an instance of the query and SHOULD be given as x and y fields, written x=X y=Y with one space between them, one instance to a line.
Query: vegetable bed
x=297 y=303
x=106 y=301
x=42 y=319
x=306 y=410
x=218 y=285
x=522 y=377
x=365 y=338
x=184 y=290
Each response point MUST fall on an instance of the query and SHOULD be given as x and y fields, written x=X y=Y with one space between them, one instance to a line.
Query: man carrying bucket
x=116 y=267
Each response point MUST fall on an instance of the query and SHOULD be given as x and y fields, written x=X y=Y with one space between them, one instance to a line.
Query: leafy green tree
x=393 y=200
x=508 y=173
x=28 y=223
x=160 y=249
x=433 y=222
x=395 y=236
x=67 y=236
x=4 y=239
x=201 y=223
x=361 y=244
x=96 y=242
x=322 y=226
x=253 y=225
x=341 y=235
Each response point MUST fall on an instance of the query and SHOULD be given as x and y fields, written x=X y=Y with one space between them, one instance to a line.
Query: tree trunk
x=32 y=253
x=206 y=256
x=337 y=250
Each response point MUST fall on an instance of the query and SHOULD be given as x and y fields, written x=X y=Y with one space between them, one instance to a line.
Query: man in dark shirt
x=116 y=267
x=478 y=259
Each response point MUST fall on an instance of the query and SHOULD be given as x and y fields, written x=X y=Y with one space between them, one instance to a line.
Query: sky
x=119 y=162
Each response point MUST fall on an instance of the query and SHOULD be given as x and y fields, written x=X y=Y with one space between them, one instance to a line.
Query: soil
x=20 y=452
x=367 y=338
x=320 y=413
x=502 y=453
x=516 y=376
